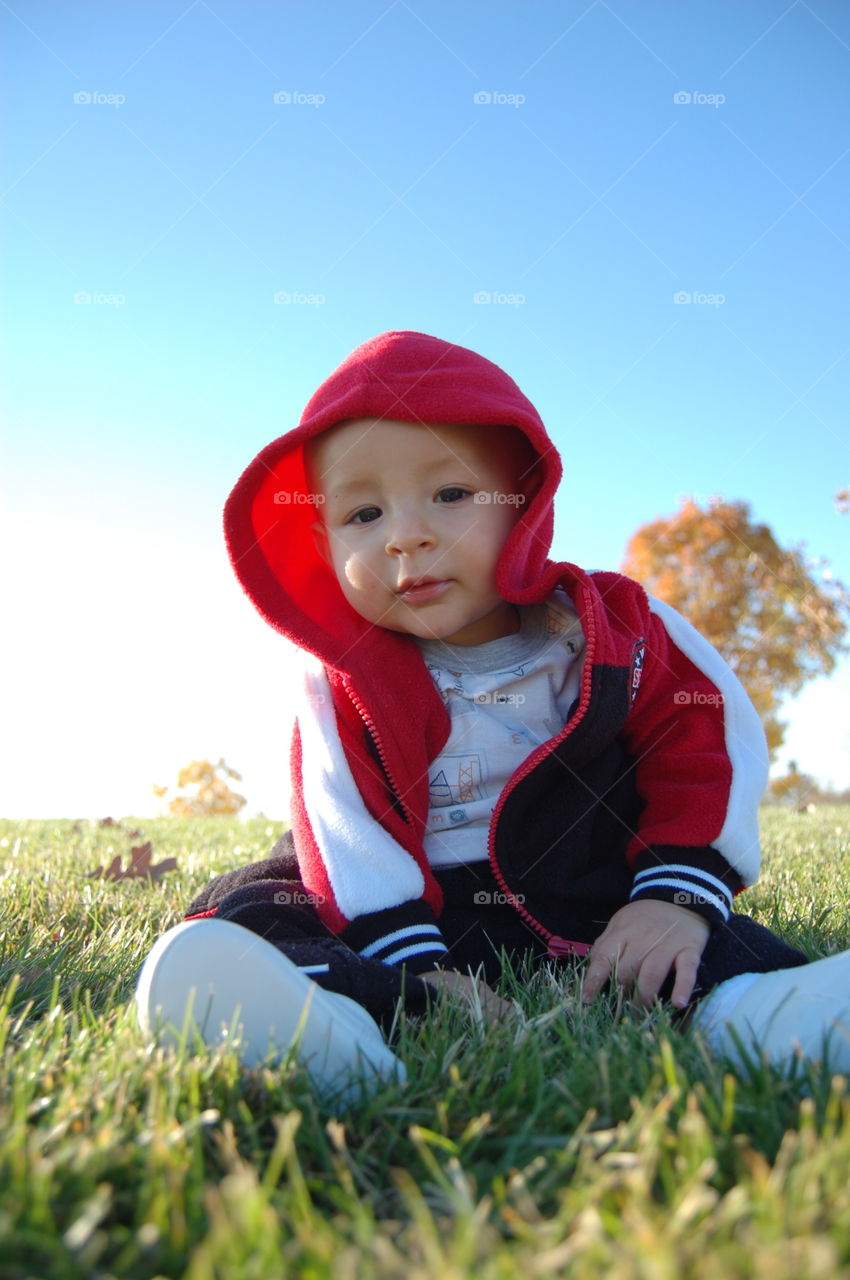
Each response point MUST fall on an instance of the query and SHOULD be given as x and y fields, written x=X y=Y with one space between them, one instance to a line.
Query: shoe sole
x=221 y=978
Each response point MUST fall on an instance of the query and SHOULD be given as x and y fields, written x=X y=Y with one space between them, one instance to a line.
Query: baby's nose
x=408 y=536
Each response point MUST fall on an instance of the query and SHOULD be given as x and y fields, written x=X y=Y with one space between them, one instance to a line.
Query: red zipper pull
x=559 y=947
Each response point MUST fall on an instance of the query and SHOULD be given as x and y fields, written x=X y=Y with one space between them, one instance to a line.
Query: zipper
x=373 y=733
x=556 y=945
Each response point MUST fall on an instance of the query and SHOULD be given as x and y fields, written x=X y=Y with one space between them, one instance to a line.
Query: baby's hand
x=645 y=940
x=473 y=991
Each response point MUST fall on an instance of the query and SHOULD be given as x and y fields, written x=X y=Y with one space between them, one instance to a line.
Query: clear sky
x=207 y=205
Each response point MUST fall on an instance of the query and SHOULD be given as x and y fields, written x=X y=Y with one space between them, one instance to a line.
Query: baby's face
x=413 y=521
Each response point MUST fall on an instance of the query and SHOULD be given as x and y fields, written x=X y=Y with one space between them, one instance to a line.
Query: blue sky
x=206 y=206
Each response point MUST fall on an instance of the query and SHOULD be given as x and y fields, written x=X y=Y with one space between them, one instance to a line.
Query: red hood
x=413 y=378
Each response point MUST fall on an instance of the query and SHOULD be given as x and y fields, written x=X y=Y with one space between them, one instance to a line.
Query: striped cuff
x=406 y=935
x=686 y=886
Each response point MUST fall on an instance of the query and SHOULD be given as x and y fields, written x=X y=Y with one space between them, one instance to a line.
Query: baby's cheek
x=356 y=574
x=344 y=561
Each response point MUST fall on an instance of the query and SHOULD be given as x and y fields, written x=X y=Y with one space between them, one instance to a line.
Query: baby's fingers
x=651 y=977
x=597 y=974
x=687 y=964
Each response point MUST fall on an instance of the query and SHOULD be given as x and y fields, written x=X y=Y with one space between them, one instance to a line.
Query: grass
x=593 y=1142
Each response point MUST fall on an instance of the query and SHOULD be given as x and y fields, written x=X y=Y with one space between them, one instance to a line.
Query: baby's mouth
x=419 y=590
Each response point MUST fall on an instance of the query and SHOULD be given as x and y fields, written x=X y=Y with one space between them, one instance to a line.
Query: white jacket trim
x=746 y=746
x=368 y=870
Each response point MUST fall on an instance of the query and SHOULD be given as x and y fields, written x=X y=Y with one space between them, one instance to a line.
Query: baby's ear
x=530 y=482
x=320 y=539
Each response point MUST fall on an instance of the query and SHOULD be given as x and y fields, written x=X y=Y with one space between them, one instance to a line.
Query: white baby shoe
x=789 y=1012
x=225 y=977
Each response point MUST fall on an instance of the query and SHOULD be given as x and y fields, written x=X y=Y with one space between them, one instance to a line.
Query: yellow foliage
x=775 y=615
x=795 y=788
x=203 y=790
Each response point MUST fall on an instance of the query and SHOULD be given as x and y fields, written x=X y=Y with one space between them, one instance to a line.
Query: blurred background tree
x=776 y=615
x=794 y=788
x=202 y=789
x=802 y=792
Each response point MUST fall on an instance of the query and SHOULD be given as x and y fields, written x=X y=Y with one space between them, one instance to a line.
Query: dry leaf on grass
x=139 y=867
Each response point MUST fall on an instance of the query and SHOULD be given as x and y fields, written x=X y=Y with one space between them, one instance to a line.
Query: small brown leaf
x=140 y=859
x=138 y=868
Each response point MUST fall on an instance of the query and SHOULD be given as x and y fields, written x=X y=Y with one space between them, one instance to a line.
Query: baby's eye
x=452 y=493
x=365 y=515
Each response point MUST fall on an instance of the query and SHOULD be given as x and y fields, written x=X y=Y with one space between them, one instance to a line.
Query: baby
x=494 y=753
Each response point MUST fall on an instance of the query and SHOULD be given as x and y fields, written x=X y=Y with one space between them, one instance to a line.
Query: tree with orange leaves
x=203 y=790
x=776 y=615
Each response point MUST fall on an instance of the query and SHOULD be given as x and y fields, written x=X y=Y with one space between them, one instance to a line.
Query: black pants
x=269 y=898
